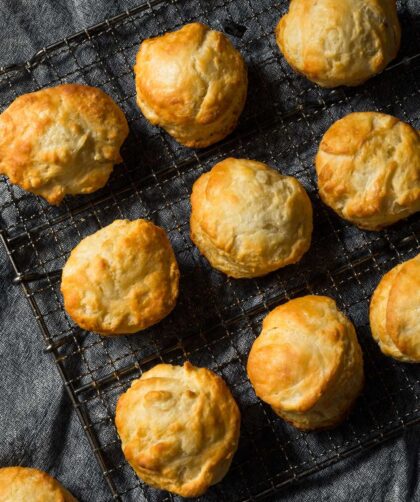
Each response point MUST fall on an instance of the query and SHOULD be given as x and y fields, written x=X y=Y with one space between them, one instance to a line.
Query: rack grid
x=217 y=318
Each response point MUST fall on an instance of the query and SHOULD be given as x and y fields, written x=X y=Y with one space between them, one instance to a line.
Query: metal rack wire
x=216 y=319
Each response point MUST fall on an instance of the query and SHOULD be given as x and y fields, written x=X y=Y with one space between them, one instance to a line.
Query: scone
x=24 y=484
x=121 y=279
x=248 y=220
x=61 y=140
x=307 y=363
x=395 y=312
x=368 y=167
x=179 y=427
x=193 y=83
x=343 y=42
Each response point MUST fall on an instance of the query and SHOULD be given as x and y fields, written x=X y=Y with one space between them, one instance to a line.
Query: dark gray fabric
x=38 y=426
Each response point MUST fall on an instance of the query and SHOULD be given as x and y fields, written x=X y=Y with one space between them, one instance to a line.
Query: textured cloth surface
x=38 y=426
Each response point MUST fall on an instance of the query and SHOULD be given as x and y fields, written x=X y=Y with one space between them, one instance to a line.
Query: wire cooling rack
x=216 y=319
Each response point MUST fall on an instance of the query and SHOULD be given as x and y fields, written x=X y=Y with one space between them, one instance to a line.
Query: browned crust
x=61 y=140
x=199 y=103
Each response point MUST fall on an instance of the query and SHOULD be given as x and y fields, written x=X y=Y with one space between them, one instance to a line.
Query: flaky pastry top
x=249 y=219
x=192 y=82
x=179 y=427
x=368 y=167
x=121 y=279
x=341 y=42
x=25 y=484
x=299 y=353
x=377 y=315
x=403 y=309
x=61 y=140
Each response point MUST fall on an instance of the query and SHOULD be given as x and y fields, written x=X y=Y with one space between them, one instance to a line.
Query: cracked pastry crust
x=307 y=363
x=248 y=220
x=395 y=312
x=368 y=167
x=193 y=83
x=121 y=279
x=179 y=428
x=18 y=484
x=342 y=42
x=61 y=140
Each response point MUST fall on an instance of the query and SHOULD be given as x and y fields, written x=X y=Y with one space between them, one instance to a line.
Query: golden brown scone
x=395 y=312
x=377 y=315
x=343 y=42
x=248 y=220
x=61 y=140
x=368 y=167
x=307 y=363
x=25 y=484
x=121 y=279
x=179 y=427
x=193 y=83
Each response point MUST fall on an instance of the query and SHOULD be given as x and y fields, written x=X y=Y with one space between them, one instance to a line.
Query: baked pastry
x=368 y=167
x=61 y=140
x=193 y=83
x=25 y=484
x=395 y=312
x=307 y=363
x=179 y=427
x=342 y=42
x=248 y=220
x=121 y=279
